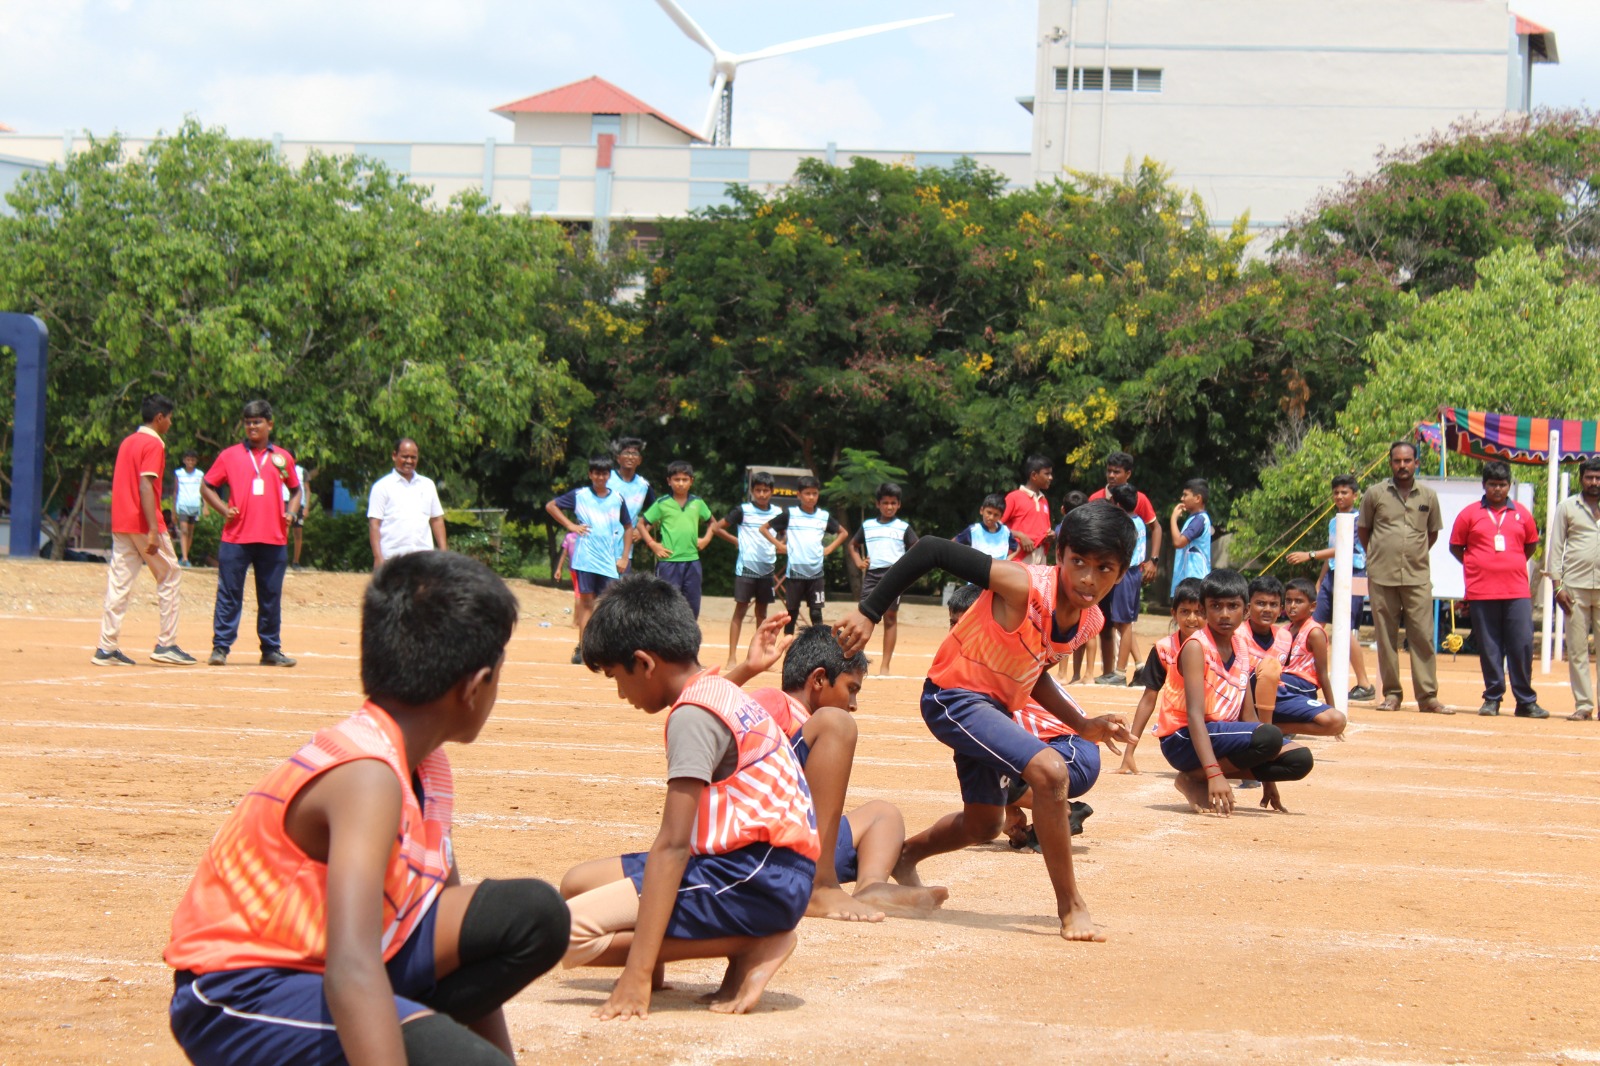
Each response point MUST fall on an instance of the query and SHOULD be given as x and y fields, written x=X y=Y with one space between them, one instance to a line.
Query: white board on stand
x=1456 y=494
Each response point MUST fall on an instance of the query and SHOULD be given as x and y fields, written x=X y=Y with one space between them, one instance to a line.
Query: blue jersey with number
x=757 y=556
x=608 y=520
x=803 y=539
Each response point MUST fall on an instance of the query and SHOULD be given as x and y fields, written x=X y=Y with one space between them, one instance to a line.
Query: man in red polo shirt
x=139 y=539
x=1027 y=512
x=1494 y=541
x=254 y=533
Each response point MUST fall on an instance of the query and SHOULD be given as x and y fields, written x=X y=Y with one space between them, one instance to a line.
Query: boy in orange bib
x=1189 y=615
x=731 y=869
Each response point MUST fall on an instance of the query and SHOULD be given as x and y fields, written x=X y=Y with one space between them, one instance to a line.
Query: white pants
x=127 y=559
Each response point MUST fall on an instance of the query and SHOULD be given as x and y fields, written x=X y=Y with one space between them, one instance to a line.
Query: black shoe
x=1532 y=710
x=577 y=655
x=1362 y=693
x=111 y=658
x=1077 y=815
x=219 y=657
x=1109 y=679
x=1490 y=709
x=275 y=658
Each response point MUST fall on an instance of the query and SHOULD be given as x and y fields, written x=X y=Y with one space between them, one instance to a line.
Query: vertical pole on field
x=1344 y=552
x=28 y=337
x=1546 y=586
x=1561 y=616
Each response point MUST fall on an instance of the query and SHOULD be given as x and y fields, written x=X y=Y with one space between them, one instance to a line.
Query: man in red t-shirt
x=255 y=531
x=1122 y=607
x=1027 y=512
x=1494 y=541
x=139 y=539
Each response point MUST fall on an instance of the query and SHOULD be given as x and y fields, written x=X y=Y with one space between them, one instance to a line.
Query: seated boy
x=1029 y=618
x=731 y=869
x=814 y=710
x=1268 y=644
x=1206 y=718
x=328 y=921
x=1189 y=617
x=1082 y=757
x=1297 y=708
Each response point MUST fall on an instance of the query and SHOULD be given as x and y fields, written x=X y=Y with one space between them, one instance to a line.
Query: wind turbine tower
x=725 y=65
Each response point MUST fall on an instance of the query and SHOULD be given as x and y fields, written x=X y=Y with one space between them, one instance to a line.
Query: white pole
x=1561 y=616
x=1344 y=552
x=1547 y=587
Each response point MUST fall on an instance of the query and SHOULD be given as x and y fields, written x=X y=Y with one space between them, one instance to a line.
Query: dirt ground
x=1430 y=899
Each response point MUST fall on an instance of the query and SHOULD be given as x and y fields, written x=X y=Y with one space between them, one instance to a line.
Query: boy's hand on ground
x=660 y=550
x=1221 y=795
x=1128 y=765
x=853 y=631
x=1269 y=798
x=630 y=998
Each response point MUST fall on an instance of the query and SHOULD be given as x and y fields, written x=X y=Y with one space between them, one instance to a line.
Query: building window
x=1117 y=79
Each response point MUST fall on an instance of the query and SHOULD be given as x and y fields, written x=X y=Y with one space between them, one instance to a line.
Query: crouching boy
x=327 y=922
x=731 y=869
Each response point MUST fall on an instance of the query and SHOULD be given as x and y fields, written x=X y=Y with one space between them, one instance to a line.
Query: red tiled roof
x=591 y=96
x=1528 y=27
x=6 y=129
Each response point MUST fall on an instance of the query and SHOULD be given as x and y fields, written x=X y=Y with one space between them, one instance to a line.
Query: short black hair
x=1035 y=463
x=1268 y=584
x=762 y=477
x=257 y=409
x=1495 y=470
x=1120 y=460
x=154 y=406
x=623 y=444
x=401 y=442
x=1403 y=444
x=1224 y=585
x=640 y=612
x=888 y=490
x=428 y=620
x=995 y=500
x=1302 y=585
x=601 y=463
x=1073 y=501
x=1124 y=496
x=189 y=452
x=964 y=597
x=1589 y=466
x=806 y=481
x=1345 y=481
x=678 y=466
x=1098 y=528
x=1189 y=590
x=1200 y=487
x=818 y=647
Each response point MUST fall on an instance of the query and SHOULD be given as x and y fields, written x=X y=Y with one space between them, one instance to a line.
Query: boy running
x=995 y=658
x=886 y=539
x=799 y=532
x=758 y=557
x=678 y=518
x=604 y=526
x=988 y=534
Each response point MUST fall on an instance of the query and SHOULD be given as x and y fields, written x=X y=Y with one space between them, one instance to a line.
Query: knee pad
x=512 y=932
x=1265 y=743
x=435 y=1039
x=1292 y=765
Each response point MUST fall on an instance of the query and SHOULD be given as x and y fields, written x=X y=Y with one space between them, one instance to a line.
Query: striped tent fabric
x=1515 y=438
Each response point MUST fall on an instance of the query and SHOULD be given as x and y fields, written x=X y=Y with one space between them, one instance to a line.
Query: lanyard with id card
x=258 y=486
x=1499 y=537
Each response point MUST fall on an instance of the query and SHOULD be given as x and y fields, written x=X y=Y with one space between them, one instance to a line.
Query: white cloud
x=785 y=103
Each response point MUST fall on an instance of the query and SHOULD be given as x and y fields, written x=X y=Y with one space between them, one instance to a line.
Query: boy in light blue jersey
x=1191 y=532
x=990 y=535
x=625 y=480
x=802 y=530
x=758 y=557
x=886 y=539
x=605 y=537
x=186 y=504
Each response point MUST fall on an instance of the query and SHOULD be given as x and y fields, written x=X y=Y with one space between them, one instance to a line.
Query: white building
x=1258 y=104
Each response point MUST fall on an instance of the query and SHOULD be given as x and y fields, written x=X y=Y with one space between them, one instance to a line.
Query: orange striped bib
x=1300 y=662
x=1225 y=685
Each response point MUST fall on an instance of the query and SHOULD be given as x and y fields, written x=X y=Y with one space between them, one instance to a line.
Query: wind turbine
x=725 y=65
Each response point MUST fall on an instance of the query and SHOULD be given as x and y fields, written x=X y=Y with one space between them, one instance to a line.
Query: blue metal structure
x=27 y=336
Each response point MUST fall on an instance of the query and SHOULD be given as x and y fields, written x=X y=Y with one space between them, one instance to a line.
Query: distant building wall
x=11 y=171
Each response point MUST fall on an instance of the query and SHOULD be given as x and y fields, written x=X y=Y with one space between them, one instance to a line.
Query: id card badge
x=258 y=487
x=1499 y=542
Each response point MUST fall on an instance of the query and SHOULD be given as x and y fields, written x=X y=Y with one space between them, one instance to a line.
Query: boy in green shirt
x=677 y=520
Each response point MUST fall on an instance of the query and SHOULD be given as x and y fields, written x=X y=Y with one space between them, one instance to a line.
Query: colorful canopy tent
x=1516 y=439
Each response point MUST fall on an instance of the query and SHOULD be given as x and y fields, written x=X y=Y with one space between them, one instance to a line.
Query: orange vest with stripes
x=790 y=714
x=979 y=656
x=1225 y=685
x=1281 y=641
x=1300 y=662
x=765 y=799
x=1167 y=650
x=258 y=900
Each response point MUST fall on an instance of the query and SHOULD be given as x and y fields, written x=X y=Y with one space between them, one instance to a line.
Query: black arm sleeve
x=927 y=554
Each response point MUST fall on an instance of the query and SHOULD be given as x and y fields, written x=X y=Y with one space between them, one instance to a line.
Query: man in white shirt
x=402 y=507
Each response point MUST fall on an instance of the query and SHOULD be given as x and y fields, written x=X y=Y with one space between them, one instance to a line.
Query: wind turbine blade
x=828 y=38
x=691 y=29
x=709 y=128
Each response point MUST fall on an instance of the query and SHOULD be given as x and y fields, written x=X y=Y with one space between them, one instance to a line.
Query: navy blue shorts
x=757 y=890
x=268 y=1016
x=1227 y=739
x=592 y=584
x=1083 y=762
x=1122 y=606
x=1323 y=612
x=685 y=577
x=1297 y=701
x=991 y=749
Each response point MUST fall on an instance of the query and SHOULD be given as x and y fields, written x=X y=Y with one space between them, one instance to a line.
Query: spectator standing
x=1191 y=532
x=1124 y=600
x=139 y=539
x=403 y=510
x=1494 y=542
x=254 y=534
x=1027 y=512
x=1572 y=560
x=187 y=505
x=626 y=481
x=1398 y=524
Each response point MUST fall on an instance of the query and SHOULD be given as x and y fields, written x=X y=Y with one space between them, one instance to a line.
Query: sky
x=431 y=70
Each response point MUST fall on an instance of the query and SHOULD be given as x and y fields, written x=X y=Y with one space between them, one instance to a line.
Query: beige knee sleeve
x=597 y=916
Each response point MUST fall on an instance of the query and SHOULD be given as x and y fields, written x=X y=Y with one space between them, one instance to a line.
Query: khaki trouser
x=1585 y=619
x=127 y=559
x=1416 y=602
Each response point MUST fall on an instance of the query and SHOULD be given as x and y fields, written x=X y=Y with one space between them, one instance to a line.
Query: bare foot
x=904 y=901
x=748 y=974
x=1077 y=925
x=1193 y=791
x=841 y=906
x=905 y=872
x=730 y=664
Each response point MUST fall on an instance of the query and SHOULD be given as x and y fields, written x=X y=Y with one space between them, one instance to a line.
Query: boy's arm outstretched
x=663 y=874
x=1008 y=581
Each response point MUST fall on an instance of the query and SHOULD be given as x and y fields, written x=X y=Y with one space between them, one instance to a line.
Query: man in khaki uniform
x=1572 y=560
x=1399 y=522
